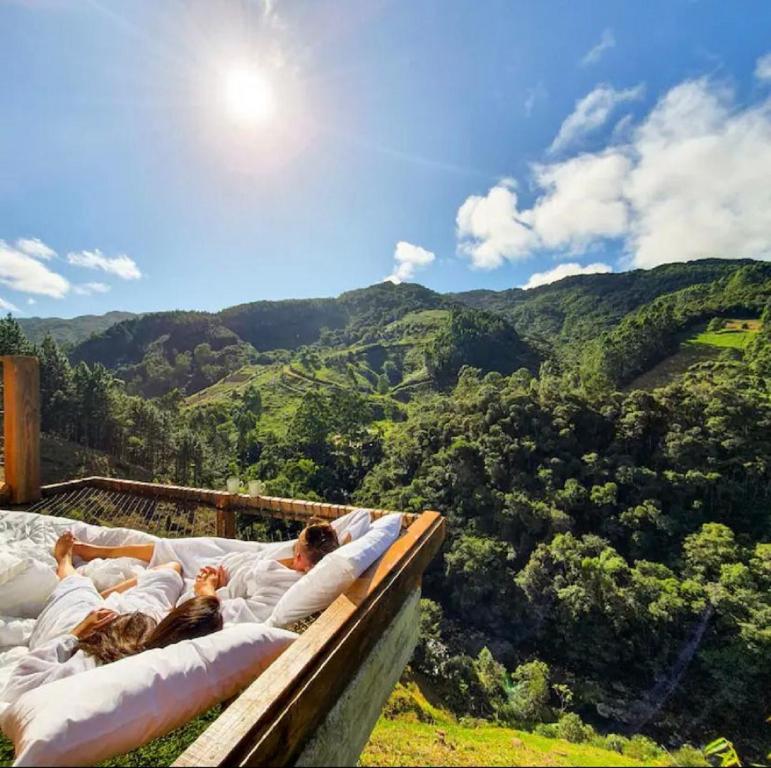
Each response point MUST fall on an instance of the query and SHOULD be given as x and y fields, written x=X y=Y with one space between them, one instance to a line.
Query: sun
x=249 y=97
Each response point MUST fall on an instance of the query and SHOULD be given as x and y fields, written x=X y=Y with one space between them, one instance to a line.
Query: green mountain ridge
x=70 y=331
x=161 y=347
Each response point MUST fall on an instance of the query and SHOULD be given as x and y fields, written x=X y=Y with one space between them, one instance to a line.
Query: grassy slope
x=733 y=336
x=283 y=385
x=413 y=731
x=696 y=348
x=397 y=742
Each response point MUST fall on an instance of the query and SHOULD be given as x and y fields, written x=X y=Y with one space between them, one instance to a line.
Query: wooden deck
x=274 y=719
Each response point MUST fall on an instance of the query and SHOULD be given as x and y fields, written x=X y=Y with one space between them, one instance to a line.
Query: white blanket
x=27 y=541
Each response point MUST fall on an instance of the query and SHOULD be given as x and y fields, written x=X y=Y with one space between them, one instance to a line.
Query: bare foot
x=64 y=545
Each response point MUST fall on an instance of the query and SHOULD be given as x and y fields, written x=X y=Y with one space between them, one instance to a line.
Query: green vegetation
x=413 y=731
x=399 y=743
x=732 y=334
x=605 y=474
x=68 y=333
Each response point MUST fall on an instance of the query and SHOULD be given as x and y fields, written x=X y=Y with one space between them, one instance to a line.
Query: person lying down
x=79 y=628
x=248 y=584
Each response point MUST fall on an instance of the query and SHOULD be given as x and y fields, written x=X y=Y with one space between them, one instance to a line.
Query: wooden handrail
x=272 y=719
x=21 y=420
x=226 y=503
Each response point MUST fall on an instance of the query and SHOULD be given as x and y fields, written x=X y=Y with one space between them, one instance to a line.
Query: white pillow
x=120 y=706
x=335 y=573
x=25 y=593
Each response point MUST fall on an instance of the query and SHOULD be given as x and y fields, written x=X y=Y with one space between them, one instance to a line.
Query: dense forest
x=608 y=563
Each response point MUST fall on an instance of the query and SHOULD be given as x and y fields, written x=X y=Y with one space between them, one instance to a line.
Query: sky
x=196 y=154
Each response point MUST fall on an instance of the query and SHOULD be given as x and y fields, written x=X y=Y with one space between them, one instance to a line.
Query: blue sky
x=457 y=144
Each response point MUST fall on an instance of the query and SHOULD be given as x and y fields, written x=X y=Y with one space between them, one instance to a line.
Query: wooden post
x=226 y=519
x=21 y=377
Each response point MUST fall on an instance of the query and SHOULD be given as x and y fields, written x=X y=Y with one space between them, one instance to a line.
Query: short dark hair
x=318 y=540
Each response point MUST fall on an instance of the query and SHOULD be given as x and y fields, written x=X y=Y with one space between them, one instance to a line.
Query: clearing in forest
x=735 y=334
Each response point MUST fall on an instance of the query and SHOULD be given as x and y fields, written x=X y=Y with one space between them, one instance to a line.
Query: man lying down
x=81 y=628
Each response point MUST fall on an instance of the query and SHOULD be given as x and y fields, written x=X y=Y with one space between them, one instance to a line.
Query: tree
x=57 y=391
x=715 y=324
x=12 y=338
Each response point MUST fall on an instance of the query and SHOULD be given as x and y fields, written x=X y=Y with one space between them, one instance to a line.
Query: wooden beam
x=290 y=509
x=271 y=721
x=21 y=379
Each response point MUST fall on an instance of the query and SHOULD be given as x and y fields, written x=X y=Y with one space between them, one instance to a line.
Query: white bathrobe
x=257 y=580
x=155 y=594
x=254 y=588
x=54 y=650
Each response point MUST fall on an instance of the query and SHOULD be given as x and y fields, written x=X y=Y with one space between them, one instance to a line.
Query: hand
x=94 y=621
x=210 y=579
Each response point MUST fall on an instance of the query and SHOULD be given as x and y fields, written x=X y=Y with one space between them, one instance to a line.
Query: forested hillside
x=607 y=563
x=71 y=331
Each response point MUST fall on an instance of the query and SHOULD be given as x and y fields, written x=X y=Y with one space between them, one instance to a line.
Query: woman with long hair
x=101 y=633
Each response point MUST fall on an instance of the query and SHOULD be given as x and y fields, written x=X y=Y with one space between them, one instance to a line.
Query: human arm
x=94 y=621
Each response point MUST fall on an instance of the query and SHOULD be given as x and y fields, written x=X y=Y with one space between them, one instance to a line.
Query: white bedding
x=30 y=537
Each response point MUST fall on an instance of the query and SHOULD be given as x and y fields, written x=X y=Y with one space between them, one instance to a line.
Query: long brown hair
x=196 y=617
x=318 y=540
x=133 y=633
x=124 y=636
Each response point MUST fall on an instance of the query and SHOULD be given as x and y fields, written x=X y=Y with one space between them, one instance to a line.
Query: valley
x=600 y=446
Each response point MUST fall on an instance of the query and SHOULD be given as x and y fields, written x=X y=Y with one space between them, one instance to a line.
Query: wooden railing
x=228 y=505
x=21 y=429
x=271 y=721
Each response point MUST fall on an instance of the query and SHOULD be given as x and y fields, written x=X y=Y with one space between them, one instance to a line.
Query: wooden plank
x=270 y=722
x=21 y=379
x=54 y=489
x=290 y=509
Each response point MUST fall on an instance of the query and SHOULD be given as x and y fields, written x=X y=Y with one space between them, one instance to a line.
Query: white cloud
x=491 y=228
x=409 y=259
x=122 y=266
x=6 y=306
x=24 y=273
x=607 y=41
x=31 y=302
x=88 y=289
x=565 y=270
x=699 y=187
x=582 y=200
x=591 y=112
x=763 y=67
x=690 y=182
x=35 y=247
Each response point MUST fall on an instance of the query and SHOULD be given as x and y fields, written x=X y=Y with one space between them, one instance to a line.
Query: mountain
x=160 y=351
x=71 y=331
x=599 y=447
x=193 y=350
x=579 y=307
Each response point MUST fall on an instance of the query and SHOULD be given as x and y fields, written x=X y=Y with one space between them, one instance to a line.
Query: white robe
x=155 y=594
x=257 y=580
x=254 y=588
x=54 y=650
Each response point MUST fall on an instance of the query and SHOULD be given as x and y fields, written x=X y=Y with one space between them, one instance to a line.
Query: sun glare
x=248 y=96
